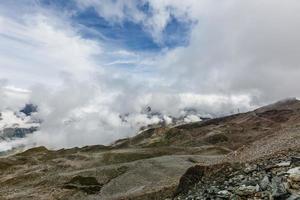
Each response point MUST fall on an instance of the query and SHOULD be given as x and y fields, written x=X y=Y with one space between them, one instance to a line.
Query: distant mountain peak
x=29 y=109
x=15 y=125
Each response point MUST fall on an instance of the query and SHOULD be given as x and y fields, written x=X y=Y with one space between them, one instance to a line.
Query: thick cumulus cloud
x=235 y=47
x=240 y=55
x=241 y=48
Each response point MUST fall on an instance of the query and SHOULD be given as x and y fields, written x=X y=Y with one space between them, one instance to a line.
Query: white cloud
x=12 y=97
x=37 y=50
x=191 y=118
x=240 y=55
x=236 y=47
x=154 y=22
x=239 y=48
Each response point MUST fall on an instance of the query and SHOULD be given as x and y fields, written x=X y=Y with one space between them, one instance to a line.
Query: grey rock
x=294 y=197
x=257 y=188
x=213 y=190
x=249 y=182
x=234 y=197
x=278 y=189
x=224 y=194
x=295 y=161
x=238 y=178
x=250 y=168
x=284 y=164
x=295 y=170
x=245 y=190
x=264 y=183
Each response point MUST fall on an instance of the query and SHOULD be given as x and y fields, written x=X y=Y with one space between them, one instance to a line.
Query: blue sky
x=125 y=33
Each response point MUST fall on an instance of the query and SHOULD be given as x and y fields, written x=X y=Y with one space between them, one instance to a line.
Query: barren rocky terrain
x=250 y=155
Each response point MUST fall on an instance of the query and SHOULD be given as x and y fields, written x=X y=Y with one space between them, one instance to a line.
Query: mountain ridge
x=150 y=164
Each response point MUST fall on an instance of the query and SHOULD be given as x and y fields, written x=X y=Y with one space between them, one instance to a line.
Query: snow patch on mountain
x=11 y=119
x=14 y=127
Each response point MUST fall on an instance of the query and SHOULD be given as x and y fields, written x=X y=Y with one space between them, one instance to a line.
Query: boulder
x=90 y=185
x=224 y=194
x=294 y=197
x=294 y=178
x=191 y=177
x=264 y=183
x=245 y=190
x=295 y=170
x=278 y=188
x=284 y=164
x=295 y=161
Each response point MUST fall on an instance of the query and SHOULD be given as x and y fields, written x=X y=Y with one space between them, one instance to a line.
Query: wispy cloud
x=82 y=71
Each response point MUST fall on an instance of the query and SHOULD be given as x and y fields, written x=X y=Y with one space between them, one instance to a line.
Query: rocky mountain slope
x=222 y=158
x=275 y=177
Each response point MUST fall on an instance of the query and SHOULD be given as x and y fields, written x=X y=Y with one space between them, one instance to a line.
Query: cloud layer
x=239 y=55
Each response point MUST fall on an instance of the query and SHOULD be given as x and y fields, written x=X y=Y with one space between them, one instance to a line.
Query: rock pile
x=276 y=179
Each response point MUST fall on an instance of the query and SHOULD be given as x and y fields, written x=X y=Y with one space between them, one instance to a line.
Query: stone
x=213 y=190
x=295 y=170
x=262 y=195
x=281 y=182
x=264 y=183
x=249 y=182
x=238 y=178
x=191 y=177
x=295 y=161
x=224 y=194
x=278 y=166
x=294 y=185
x=278 y=189
x=245 y=190
x=235 y=197
x=294 y=178
x=250 y=168
x=284 y=164
x=90 y=185
x=294 y=197
x=257 y=188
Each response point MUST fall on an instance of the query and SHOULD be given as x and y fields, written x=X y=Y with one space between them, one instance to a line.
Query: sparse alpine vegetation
x=253 y=155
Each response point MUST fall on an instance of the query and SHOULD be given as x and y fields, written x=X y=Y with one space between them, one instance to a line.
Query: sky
x=87 y=62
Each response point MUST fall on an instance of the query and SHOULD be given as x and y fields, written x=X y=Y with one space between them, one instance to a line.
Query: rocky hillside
x=251 y=155
x=274 y=177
